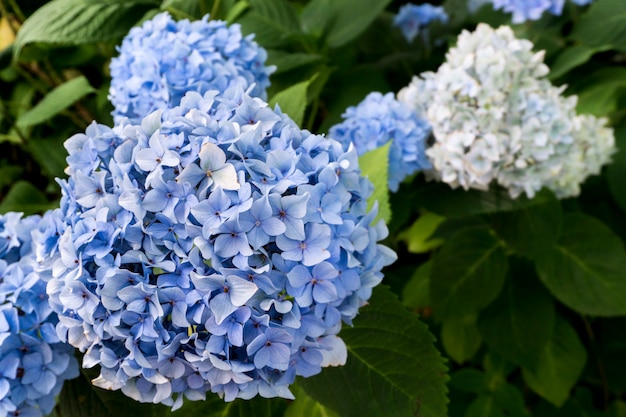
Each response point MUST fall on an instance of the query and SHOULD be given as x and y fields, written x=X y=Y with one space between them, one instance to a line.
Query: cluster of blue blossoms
x=163 y=59
x=524 y=10
x=413 y=19
x=379 y=119
x=34 y=362
x=213 y=247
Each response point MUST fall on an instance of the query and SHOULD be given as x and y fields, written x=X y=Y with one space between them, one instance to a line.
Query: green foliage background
x=496 y=307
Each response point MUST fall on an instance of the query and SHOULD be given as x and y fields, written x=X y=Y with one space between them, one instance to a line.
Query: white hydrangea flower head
x=594 y=143
x=494 y=118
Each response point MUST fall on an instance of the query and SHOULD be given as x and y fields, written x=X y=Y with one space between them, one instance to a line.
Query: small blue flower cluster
x=33 y=361
x=215 y=246
x=162 y=60
x=524 y=10
x=379 y=119
x=413 y=19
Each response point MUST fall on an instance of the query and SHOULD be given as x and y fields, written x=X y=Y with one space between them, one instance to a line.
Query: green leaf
x=292 y=101
x=484 y=406
x=439 y=198
x=286 y=61
x=460 y=338
x=603 y=24
x=307 y=406
x=393 y=367
x=50 y=155
x=571 y=58
x=418 y=236
x=616 y=171
x=340 y=21
x=531 y=230
x=375 y=166
x=523 y=308
x=26 y=198
x=467 y=274
x=415 y=291
x=234 y=12
x=601 y=94
x=510 y=399
x=56 y=101
x=559 y=366
x=74 y=22
x=585 y=268
x=183 y=9
x=468 y=380
x=273 y=22
x=79 y=398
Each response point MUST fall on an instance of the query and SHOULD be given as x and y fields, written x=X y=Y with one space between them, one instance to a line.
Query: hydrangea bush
x=213 y=244
x=34 y=362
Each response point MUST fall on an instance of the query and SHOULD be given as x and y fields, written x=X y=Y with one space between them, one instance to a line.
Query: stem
x=215 y=9
x=600 y=364
x=313 y=114
x=18 y=12
x=4 y=12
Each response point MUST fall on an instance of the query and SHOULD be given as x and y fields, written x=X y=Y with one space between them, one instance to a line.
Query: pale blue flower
x=413 y=19
x=163 y=59
x=380 y=119
x=524 y=10
x=33 y=362
x=172 y=271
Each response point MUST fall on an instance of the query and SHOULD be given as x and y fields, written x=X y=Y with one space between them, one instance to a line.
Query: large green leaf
x=307 y=406
x=418 y=236
x=50 y=154
x=393 y=367
x=292 y=101
x=56 y=101
x=286 y=61
x=601 y=92
x=586 y=268
x=340 y=21
x=467 y=273
x=523 y=308
x=616 y=171
x=415 y=293
x=273 y=22
x=440 y=199
x=560 y=364
x=26 y=198
x=73 y=22
x=603 y=24
x=571 y=58
x=375 y=166
x=532 y=229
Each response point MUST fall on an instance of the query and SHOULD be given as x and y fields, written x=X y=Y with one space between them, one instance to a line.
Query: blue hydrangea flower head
x=413 y=18
x=213 y=247
x=524 y=10
x=34 y=363
x=379 y=119
x=163 y=59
